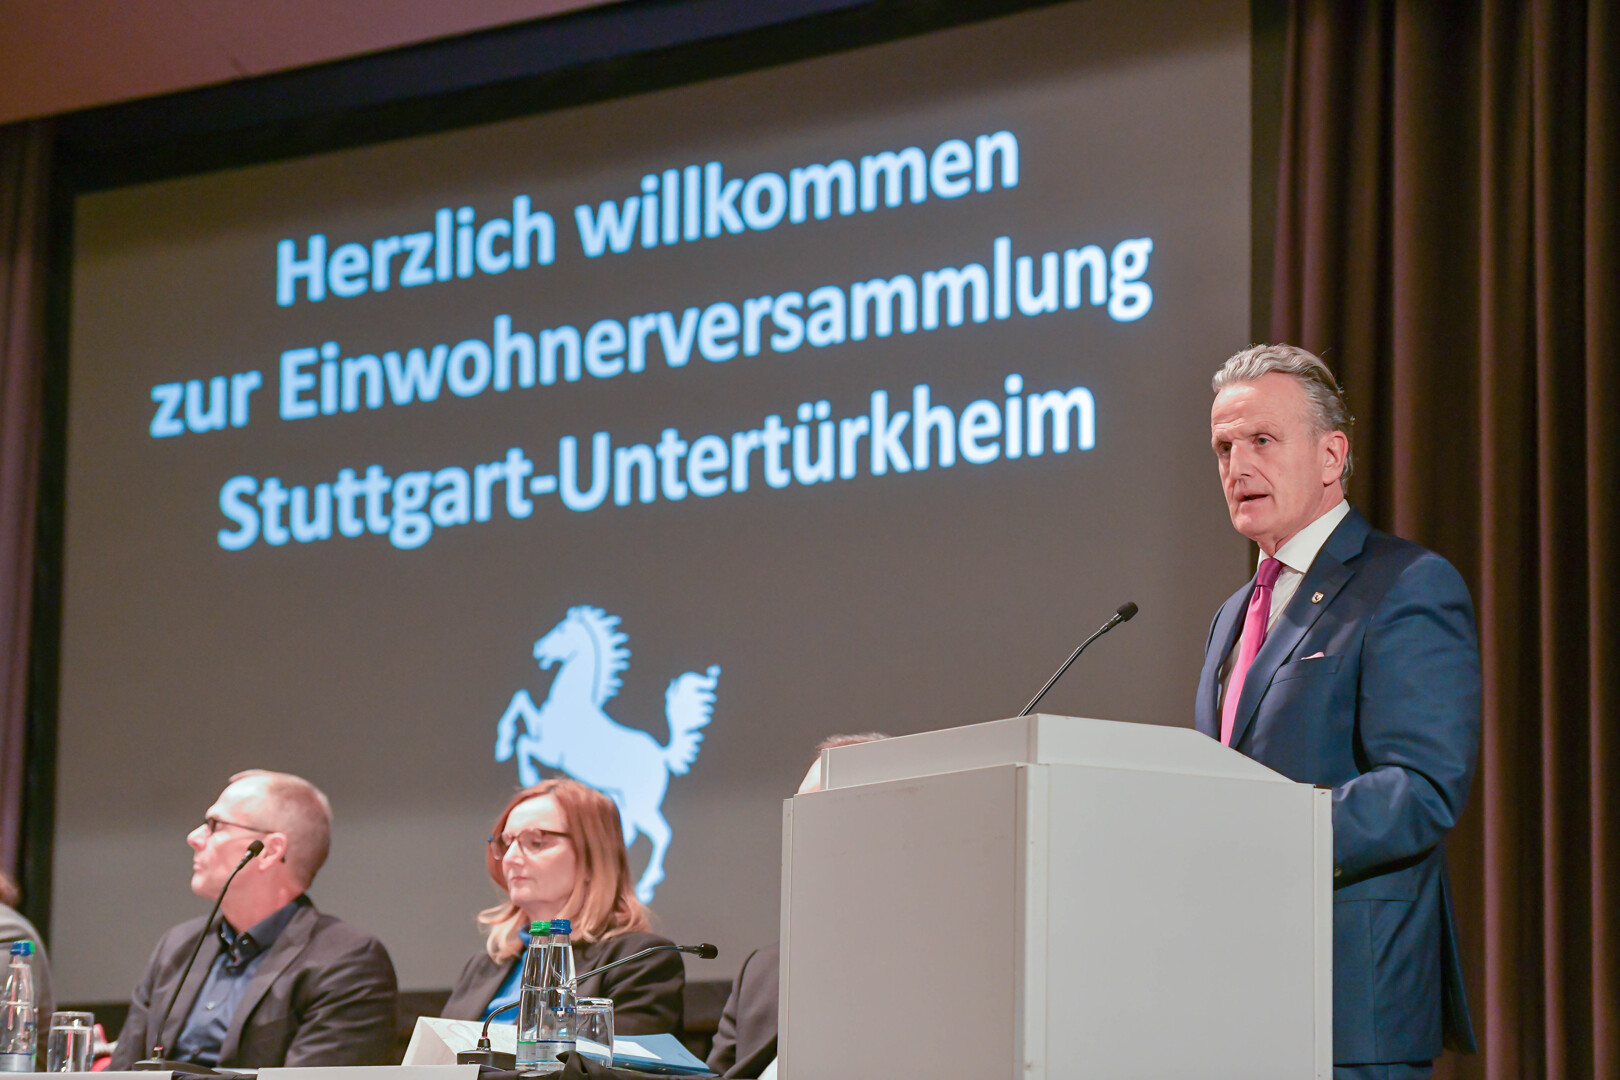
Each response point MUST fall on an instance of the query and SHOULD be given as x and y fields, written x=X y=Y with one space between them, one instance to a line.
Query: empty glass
x=593 y=1031
x=68 y=1045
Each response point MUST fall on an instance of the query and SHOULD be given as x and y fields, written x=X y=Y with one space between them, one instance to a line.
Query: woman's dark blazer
x=646 y=993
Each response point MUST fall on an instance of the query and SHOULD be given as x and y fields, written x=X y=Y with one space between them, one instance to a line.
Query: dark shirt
x=228 y=980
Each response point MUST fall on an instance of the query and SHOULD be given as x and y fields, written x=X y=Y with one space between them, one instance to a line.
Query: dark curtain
x=24 y=179
x=1447 y=241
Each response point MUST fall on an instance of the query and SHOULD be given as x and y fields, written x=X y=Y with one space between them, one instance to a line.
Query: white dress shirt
x=1296 y=555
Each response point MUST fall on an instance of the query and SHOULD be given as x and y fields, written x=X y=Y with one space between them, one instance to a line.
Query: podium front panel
x=1164 y=911
x=1179 y=940
x=904 y=902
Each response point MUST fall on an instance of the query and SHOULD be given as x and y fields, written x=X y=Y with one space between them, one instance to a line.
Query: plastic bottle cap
x=560 y=926
x=22 y=948
x=540 y=926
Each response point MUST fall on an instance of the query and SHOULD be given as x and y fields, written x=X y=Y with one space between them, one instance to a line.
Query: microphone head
x=1127 y=611
x=254 y=849
x=707 y=951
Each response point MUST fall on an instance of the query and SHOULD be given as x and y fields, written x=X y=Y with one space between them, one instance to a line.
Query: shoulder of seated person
x=334 y=930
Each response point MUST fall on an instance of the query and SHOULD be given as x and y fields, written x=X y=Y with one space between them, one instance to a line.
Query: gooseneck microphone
x=1124 y=614
x=157 y=1063
x=702 y=952
x=484 y=1054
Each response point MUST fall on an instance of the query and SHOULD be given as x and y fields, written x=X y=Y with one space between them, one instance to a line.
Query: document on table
x=656 y=1053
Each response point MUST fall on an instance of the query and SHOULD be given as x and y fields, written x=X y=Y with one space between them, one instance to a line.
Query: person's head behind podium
x=292 y=818
x=812 y=778
x=557 y=851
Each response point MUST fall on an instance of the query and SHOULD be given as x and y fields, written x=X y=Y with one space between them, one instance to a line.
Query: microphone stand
x=157 y=1062
x=704 y=951
x=485 y=1054
x=1124 y=614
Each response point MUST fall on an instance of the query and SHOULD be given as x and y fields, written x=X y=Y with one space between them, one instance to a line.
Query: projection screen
x=647 y=442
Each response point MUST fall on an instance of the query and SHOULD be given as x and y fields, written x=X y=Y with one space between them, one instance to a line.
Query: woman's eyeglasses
x=531 y=842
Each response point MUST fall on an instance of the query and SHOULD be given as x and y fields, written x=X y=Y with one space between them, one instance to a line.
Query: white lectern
x=1056 y=897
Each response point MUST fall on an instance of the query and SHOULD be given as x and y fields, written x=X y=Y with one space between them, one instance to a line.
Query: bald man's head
x=296 y=808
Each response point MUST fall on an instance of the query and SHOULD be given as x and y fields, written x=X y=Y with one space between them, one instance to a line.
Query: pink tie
x=1254 y=635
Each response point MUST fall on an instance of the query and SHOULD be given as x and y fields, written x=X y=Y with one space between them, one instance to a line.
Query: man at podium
x=1349 y=661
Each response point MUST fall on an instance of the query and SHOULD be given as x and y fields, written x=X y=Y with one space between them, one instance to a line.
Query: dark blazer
x=647 y=993
x=1388 y=717
x=746 y=1040
x=325 y=994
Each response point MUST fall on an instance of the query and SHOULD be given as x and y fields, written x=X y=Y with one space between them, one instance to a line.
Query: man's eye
x=1263 y=440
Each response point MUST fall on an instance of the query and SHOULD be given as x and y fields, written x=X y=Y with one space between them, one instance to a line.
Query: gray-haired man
x=1349 y=661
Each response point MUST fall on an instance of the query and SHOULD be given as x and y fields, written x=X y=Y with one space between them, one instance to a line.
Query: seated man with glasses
x=557 y=852
x=277 y=982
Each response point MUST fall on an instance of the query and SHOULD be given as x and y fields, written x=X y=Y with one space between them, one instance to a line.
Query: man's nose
x=197 y=837
x=1238 y=461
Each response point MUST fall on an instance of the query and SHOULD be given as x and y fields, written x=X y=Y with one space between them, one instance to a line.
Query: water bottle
x=528 y=1022
x=547 y=998
x=18 y=1031
x=557 y=1017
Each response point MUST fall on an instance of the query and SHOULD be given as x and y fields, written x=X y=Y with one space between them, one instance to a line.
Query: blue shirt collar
x=241 y=947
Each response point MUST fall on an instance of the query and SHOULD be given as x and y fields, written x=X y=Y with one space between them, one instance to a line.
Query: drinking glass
x=593 y=1030
x=69 y=1042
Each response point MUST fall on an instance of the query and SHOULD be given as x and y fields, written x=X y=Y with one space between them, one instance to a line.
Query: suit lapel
x=193 y=986
x=1327 y=575
x=1222 y=636
x=489 y=983
x=288 y=945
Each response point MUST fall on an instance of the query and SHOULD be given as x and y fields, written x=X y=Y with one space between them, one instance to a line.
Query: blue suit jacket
x=1388 y=717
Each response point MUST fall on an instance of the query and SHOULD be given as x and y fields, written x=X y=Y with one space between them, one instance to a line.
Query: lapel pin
x=1316 y=598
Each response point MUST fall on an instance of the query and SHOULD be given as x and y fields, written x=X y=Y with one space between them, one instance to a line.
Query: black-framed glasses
x=214 y=824
x=531 y=842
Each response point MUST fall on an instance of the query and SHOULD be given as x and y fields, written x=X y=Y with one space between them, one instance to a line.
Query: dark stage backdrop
x=1447 y=240
x=844 y=395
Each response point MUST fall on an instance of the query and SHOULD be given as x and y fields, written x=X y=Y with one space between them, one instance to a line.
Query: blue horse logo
x=570 y=731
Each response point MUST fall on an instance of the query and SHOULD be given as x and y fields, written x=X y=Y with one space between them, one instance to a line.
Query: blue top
x=228 y=979
x=510 y=986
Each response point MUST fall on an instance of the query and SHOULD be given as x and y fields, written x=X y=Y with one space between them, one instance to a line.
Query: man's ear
x=1335 y=448
x=275 y=850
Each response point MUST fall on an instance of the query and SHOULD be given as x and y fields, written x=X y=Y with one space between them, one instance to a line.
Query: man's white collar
x=1301 y=549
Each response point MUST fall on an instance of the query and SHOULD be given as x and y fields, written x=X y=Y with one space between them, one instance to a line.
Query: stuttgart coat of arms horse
x=570 y=732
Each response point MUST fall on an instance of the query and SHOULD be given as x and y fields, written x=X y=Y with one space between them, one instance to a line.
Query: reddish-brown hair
x=603 y=900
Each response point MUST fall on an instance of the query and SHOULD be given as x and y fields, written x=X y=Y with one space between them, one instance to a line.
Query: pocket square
x=1314 y=656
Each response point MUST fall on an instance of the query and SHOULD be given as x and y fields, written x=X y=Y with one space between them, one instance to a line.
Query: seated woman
x=557 y=851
